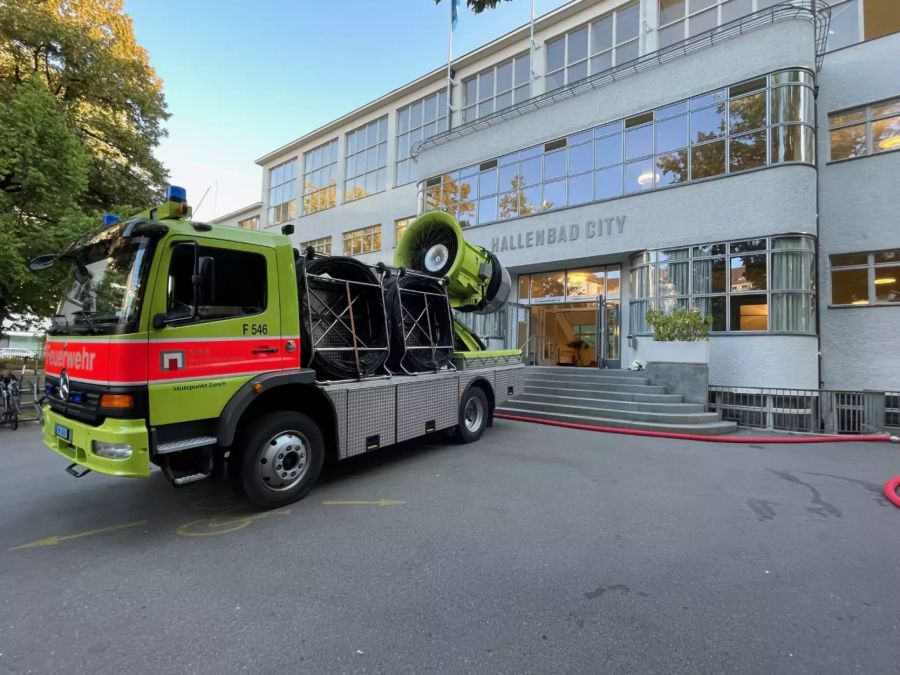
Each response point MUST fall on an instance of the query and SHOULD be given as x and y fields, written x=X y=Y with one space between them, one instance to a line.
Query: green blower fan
x=433 y=244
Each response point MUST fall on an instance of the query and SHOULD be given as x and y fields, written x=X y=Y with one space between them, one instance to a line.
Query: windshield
x=104 y=292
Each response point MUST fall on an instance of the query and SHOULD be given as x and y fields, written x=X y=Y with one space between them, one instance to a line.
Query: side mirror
x=42 y=262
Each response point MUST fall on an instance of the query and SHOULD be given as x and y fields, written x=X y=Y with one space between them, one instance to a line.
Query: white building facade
x=736 y=157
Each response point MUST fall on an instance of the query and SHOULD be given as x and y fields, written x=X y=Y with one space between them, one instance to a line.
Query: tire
x=474 y=413
x=280 y=457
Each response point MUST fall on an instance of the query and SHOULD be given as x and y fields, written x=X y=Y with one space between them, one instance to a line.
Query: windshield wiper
x=87 y=319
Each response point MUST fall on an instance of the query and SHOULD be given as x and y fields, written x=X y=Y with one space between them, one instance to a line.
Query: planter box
x=682 y=367
x=652 y=351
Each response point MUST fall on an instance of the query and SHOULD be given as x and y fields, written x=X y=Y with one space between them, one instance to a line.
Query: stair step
x=612 y=395
x=601 y=379
x=539 y=408
x=587 y=372
x=706 y=429
x=597 y=386
x=612 y=404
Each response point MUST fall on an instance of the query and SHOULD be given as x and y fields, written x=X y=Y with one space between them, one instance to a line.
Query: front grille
x=87 y=409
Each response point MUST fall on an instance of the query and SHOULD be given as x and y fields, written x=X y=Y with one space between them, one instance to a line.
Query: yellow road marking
x=223 y=523
x=362 y=502
x=54 y=540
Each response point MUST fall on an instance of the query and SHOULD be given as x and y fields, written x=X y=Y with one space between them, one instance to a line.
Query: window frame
x=725 y=251
x=273 y=208
x=590 y=54
x=400 y=225
x=868 y=120
x=470 y=109
x=197 y=246
x=254 y=220
x=318 y=243
x=441 y=122
x=870 y=266
x=305 y=194
x=357 y=152
x=370 y=232
x=781 y=86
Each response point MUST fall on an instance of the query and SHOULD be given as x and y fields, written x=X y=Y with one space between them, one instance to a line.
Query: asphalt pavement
x=535 y=550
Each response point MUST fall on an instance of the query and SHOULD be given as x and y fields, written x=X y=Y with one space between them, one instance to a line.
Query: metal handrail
x=797 y=9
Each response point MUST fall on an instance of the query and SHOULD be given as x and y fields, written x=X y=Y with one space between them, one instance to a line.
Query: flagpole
x=450 y=66
x=531 y=45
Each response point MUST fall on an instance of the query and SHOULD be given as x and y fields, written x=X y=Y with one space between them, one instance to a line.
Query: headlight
x=111 y=450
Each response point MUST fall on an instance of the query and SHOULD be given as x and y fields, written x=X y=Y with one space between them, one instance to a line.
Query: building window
x=682 y=19
x=416 y=122
x=282 y=192
x=864 y=131
x=879 y=18
x=756 y=123
x=497 y=87
x=363 y=240
x=570 y=285
x=320 y=178
x=366 y=160
x=758 y=285
x=591 y=49
x=321 y=245
x=866 y=278
x=251 y=223
x=400 y=226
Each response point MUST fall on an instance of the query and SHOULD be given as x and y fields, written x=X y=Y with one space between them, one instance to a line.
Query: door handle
x=265 y=350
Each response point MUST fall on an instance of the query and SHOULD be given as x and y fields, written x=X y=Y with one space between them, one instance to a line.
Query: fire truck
x=206 y=350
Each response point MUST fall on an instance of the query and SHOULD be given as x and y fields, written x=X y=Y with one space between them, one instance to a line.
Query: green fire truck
x=204 y=349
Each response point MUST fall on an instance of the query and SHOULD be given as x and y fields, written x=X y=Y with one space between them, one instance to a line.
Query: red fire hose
x=698 y=437
x=890 y=491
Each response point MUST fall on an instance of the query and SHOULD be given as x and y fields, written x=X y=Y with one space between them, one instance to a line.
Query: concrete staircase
x=610 y=398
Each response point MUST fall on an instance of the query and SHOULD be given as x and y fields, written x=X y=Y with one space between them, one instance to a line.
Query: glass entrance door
x=565 y=334
x=611 y=334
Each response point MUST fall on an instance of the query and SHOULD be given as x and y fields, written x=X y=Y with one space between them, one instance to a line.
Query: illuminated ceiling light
x=886 y=280
x=860 y=302
x=647 y=178
x=890 y=143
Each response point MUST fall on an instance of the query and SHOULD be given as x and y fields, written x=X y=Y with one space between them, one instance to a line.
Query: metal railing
x=790 y=9
x=807 y=410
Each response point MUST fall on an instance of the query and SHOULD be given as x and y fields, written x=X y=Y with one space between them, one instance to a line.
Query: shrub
x=679 y=325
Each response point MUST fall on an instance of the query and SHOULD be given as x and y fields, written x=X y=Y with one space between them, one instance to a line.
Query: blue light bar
x=175 y=193
x=110 y=219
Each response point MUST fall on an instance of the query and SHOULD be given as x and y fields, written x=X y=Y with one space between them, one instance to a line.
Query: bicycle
x=11 y=396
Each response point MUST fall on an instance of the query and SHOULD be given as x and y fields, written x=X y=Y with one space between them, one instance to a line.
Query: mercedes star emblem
x=64 y=385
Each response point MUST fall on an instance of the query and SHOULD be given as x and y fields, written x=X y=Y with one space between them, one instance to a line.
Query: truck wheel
x=281 y=456
x=473 y=416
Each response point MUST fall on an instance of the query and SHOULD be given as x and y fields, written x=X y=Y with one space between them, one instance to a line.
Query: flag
x=454 y=13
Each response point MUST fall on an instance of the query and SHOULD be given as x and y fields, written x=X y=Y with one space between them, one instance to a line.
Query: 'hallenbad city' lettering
x=74 y=359
x=557 y=235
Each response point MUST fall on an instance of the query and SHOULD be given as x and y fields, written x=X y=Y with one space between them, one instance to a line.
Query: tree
x=81 y=111
x=43 y=171
x=478 y=6
x=86 y=54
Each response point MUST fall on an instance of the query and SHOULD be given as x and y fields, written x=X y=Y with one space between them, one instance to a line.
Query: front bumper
x=78 y=448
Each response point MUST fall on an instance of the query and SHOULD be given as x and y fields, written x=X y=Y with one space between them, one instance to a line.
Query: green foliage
x=43 y=171
x=478 y=6
x=680 y=325
x=81 y=112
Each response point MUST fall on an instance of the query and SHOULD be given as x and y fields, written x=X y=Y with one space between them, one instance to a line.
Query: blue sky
x=243 y=78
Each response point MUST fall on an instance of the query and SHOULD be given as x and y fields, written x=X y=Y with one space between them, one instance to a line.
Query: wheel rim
x=284 y=460
x=473 y=415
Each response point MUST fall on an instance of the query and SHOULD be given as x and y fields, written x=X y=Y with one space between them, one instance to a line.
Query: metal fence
x=807 y=410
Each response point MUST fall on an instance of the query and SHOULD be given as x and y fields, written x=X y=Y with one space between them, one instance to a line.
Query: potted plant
x=678 y=354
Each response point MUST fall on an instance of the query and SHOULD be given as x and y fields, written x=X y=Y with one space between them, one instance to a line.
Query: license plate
x=64 y=432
